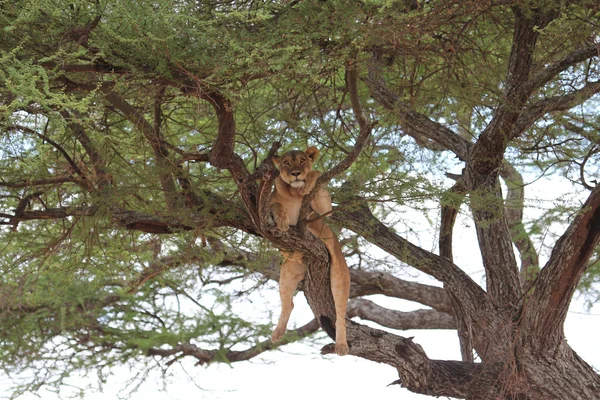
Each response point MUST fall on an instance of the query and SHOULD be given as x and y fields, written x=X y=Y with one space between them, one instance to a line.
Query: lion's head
x=295 y=165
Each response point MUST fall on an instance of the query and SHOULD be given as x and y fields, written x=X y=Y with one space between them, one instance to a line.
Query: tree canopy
x=135 y=165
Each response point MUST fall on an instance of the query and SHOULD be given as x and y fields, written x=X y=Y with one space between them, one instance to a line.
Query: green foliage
x=85 y=291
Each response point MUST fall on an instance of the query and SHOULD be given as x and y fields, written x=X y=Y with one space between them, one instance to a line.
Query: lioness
x=297 y=179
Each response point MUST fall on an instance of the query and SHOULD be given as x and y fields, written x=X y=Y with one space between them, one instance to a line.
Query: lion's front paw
x=283 y=222
x=281 y=217
x=309 y=182
x=277 y=334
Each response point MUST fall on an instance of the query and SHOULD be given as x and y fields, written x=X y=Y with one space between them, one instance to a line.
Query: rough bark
x=419 y=319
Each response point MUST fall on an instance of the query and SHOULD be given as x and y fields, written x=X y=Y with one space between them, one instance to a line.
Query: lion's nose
x=295 y=173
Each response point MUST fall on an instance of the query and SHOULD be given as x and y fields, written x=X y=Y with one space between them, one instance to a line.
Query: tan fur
x=297 y=179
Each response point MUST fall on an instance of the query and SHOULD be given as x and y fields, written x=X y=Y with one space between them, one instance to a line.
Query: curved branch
x=222 y=154
x=593 y=150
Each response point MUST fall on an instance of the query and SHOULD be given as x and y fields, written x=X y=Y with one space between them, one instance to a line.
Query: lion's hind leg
x=340 y=289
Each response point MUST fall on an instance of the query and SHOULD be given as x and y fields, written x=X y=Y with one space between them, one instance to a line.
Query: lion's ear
x=276 y=160
x=312 y=153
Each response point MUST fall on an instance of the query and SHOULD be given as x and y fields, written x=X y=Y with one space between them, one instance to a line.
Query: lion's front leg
x=282 y=220
x=292 y=273
x=309 y=182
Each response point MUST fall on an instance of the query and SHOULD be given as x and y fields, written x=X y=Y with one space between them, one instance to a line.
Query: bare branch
x=420 y=319
x=367 y=283
x=290 y=337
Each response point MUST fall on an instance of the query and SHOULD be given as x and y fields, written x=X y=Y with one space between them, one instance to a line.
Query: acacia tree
x=136 y=165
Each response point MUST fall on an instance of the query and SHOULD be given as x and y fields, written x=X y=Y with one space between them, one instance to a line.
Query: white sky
x=299 y=372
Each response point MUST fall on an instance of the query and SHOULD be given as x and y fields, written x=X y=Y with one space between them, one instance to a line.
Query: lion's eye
x=286 y=163
x=302 y=161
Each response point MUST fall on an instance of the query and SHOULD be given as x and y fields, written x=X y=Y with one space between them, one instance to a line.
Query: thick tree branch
x=366 y=283
x=449 y=210
x=222 y=154
x=488 y=151
x=417 y=372
x=361 y=220
x=450 y=205
x=420 y=319
x=545 y=315
x=486 y=157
